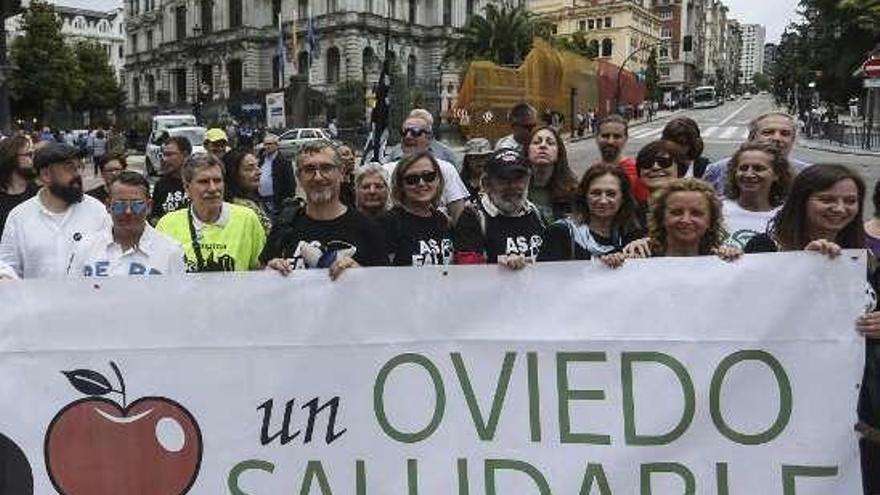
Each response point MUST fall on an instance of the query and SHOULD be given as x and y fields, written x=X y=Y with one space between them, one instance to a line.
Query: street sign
x=872 y=67
x=872 y=83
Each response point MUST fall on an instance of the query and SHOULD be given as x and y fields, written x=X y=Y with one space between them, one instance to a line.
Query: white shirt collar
x=225 y=216
x=144 y=244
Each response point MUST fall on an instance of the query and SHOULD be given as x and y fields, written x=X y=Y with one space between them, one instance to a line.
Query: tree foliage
x=761 y=81
x=826 y=47
x=103 y=91
x=578 y=42
x=504 y=35
x=652 y=78
x=350 y=103
x=45 y=76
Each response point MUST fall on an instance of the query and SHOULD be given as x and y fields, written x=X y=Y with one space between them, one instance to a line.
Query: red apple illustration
x=95 y=446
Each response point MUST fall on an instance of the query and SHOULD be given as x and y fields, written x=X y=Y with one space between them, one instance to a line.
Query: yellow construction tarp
x=545 y=80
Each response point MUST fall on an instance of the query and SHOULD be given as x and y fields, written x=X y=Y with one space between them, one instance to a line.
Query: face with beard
x=508 y=195
x=320 y=176
x=64 y=181
x=611 y=141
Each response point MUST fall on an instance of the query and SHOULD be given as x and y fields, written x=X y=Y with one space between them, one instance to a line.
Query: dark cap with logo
x=53 y=153
x=507 y=163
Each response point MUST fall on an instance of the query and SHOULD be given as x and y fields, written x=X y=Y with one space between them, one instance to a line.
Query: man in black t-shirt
x=504 y=227
x=325 y=233
x=169 y=194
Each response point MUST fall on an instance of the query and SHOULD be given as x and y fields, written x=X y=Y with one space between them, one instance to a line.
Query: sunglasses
x=414 y=132
x=123 y=206
x=414 y=179
x=661 y=161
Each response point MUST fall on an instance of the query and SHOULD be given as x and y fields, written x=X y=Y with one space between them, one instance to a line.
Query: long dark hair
x=685 y=132
x=232 y=162
x=563 y=183
x=790 y=228
x=9 y=149
x=626 y=220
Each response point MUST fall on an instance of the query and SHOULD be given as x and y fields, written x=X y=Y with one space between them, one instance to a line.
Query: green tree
x=503 y=35
x=579 y=43
x=652 y=78
x=866 y=12
x=761 y=81
x=45 y=75
x=350 y=103
x=103 y=92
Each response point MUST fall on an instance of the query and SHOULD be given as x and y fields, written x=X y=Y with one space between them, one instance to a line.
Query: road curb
x=836 y=150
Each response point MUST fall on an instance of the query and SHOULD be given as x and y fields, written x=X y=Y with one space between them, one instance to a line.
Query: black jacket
x=283 y=181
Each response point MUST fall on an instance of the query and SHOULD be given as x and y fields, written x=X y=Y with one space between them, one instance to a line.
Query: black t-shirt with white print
x=485 y=230
x=312 y=243
x=417 y=241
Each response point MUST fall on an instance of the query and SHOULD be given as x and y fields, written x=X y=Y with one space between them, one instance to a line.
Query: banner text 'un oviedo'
x=669 y=376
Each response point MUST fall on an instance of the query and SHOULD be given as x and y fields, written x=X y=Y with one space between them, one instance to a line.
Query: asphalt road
x=723 y=128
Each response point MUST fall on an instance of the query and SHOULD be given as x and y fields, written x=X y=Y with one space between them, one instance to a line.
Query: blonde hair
x=714 y=235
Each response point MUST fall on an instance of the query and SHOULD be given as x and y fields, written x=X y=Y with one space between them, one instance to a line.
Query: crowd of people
x=515 y=205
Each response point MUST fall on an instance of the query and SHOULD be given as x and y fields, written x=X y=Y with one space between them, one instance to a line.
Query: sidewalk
x=658 y=117
x=827 y=146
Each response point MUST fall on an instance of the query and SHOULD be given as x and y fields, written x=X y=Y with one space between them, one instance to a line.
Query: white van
x=170 y=121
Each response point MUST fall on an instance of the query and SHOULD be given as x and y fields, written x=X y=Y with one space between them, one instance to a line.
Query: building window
x=607 y=22
x=594 y=47
x=151 y=88
x=136 y=90
x=134 y=43
x=447 y=12
x=302 y=9
x=276 y=72
x=664 y=52
x=235 y=13
x=411 y=70
x=469 y=8
x=121 y=52
x=666 y=32
x=276 y=12
x=150 y=40
x=235 y=72
x=591 y=24
x=207 y=16
x=582 y=25
x=302 y=62
x=180 y=22
x=180 y=85
x=333 y=65
x=393 y=9
x=369 y=62
x=332 y=6
x=607 y=47
x=133 y=7
x=207 y=80
x=412 y=11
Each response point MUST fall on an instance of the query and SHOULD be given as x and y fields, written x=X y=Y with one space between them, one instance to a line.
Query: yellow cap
x=214 y=135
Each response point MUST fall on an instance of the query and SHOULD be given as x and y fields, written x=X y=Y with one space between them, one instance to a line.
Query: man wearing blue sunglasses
x=131 y=246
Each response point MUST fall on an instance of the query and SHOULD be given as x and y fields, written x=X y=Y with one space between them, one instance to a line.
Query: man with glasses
x=169 y=194
x=110 y=165
x=42 y=233
x=440 y=150
x=216 y=236
x=130 y=247
x=325 y=233
x=611 y=137
x=416 y=136
x=217 y=143
x=523 y=119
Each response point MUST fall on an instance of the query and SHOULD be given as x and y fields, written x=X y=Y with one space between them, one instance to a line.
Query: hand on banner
x=869 y=325
x=729 y=253
x=341 y=265
x=514 y=261
x=639 y=248
x=822 y=246
x=614 y=260
x=280 y=265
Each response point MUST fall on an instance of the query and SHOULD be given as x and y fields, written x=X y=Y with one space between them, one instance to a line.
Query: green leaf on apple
x=89 y=382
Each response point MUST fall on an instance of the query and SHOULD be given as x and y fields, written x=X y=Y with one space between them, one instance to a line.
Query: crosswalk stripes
x=717 y=133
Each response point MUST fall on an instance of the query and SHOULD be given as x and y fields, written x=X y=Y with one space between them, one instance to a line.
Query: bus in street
x=705 y=97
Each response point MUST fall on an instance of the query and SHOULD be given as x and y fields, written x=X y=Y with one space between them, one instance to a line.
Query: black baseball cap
x=507 y=163
x=53 y=153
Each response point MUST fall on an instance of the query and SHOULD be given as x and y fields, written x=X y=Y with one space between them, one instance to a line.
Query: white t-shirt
x=37 y=243
x=742 y=224
x=454 y=189
x=101 y=256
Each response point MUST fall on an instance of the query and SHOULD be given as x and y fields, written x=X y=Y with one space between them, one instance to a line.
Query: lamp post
x=623 y=65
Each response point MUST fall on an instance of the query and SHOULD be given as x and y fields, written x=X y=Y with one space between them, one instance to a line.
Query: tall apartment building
x=682 y=58
x=769 y=58
x=752 y=58
x=619 y=30
x=106 y=28
x=732 y=55
x=225 y=52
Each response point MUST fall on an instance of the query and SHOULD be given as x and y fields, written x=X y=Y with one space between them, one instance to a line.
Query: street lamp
x=195 y=45
x=622 y=65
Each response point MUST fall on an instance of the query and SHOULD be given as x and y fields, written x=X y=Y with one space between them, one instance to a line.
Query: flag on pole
x=292 y=54
x=312 y=40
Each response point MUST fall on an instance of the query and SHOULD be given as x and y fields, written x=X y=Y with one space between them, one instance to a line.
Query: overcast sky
x=774 y=14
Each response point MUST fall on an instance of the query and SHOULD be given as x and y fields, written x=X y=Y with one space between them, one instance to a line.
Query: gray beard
x=509 y=206
x=320 y=197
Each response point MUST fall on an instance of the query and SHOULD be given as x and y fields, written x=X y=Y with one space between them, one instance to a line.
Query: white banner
x=275 y=114
x=667 y=376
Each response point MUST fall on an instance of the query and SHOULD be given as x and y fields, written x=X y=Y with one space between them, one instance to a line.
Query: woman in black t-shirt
x=604 y=219
x=416 y=233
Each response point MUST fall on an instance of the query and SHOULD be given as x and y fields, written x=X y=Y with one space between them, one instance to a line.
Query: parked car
x=290 y=141
x=153 y=159
x=747 y=96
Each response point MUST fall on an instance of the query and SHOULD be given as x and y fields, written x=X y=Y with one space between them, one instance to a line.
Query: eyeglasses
x=312 y=171
x=414 y=132
x=660 y=161
x=414 y=179
x=122 y=206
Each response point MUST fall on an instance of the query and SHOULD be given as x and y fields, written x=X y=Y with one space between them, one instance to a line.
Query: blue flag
x=312 y=40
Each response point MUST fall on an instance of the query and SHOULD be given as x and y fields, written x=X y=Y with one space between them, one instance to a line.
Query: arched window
x=302 y=62
x=333 y=65
x=411 y=70
x=607 y=47
x=368 y=61
x=594 y=47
